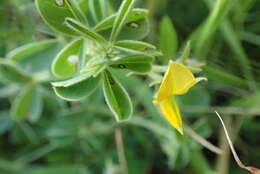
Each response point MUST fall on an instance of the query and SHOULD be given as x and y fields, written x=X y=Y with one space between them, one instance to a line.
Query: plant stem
x=203 y=141
x=223 y=160
x=120 y=151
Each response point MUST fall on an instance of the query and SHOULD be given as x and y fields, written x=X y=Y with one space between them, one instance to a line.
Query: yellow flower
x=177 y=80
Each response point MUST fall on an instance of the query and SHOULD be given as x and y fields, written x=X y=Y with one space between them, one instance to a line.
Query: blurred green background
x=81 y=137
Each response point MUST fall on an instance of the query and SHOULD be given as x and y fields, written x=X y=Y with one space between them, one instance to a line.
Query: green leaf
x=186 y=53
x=95 y=66
x=83 y=30
x=140 y=63
x=84 y=6
x=121 y=17
x=35 y=57
x=77 y=12
x=9 y=90
x=135 y=45
x=138 y=46
x=77 y=88
x=11 y=72
x=168 y=42
x=136 y=67
x=138 y=58
x=54 y=13
x=29 y=49
x=73 y=81
x=134 y=31
x=98 y=9
x=203 y=37
x=117 y=98
x=143 y=93
x=66 y=62
x=135 y=15
x=28 y=104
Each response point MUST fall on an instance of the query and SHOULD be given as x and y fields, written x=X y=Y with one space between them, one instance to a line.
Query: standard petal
x=171 y=112
x=178 y=79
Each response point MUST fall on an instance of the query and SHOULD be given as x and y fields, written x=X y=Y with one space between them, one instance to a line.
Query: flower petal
x=177 y=80
x=171 y=112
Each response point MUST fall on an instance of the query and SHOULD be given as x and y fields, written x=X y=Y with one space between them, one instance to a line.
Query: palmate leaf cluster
x=99 y=41
x=109 y=40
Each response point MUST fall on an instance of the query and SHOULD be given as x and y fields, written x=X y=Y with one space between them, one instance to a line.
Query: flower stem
x=120 y=151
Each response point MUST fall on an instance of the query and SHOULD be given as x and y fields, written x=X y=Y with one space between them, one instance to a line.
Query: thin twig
x=223 y=160
x=230 y=143
x=120 y=151
x=203 y=141
x=253 y=170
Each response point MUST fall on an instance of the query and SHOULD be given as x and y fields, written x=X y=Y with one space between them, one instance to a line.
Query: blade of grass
x=28 y=158
x=218 y=74
x=234 y=42
x=237 y=48
x=250 y=38
x=203 y=37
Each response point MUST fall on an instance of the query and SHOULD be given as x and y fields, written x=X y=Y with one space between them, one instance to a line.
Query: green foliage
x=65 y=63
x=28 y=104
x=117 y=98
x=168 y=41
x=11 y=72
x=134 y=15
x=63 y=78
x=121 y=17
x=25 y=51
x=29 y=57
x=134 y=45
x=80 y=29
x=54 y=13
x=78 y=87
x=99 y=9
x=72 y=61
x=140 y=63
